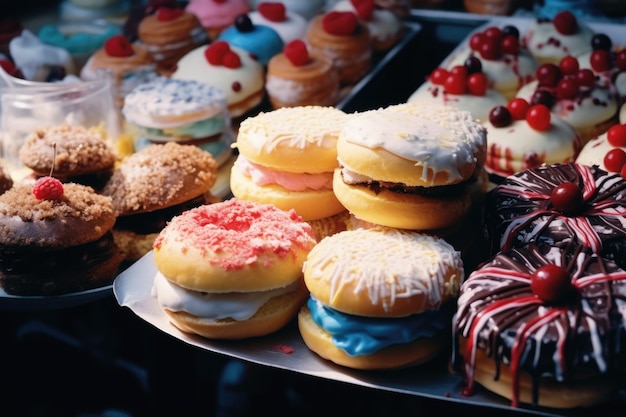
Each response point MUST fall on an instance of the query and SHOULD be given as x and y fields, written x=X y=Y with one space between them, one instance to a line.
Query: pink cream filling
x=289 y=180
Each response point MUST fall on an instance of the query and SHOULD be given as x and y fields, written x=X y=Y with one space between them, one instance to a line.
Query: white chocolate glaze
x=546 y=44
x=594 y=151
x=292 y=28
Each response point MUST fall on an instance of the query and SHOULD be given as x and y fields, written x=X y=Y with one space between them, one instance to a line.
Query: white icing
x=213 y=306
x=546 y=44
x=594 y=151
x=293 y=27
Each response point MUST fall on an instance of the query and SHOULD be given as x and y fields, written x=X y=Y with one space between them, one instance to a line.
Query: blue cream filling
x=200 y=129
x=357 y=335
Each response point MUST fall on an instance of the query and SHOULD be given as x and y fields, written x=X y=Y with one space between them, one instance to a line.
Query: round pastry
x=288 y=24
x=287 y=157
x=38 y=61
x=296 y=77
x=496 y=52
x=170 y=33
x=441 y=89
x=217 y=15
x=234 y=70
x=607 y=151
x=557 y=203
x=307 y=9
x=549 y=41
x=543 y=325
x=56 y=239
x=385 y=27
x=529 y=139
x=590 y=107
x=378 y=297
x=261 y=41
x=129 y=64
x=69 y=153
x=408 y=170
x=154 y=184
x=184 y=111
x=233 y=269
x=345 y=40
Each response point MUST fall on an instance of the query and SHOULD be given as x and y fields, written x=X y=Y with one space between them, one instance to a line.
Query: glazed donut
x=554 y=345
x=287 y=157
x=368 y=284
x=521 y=209
x=406 y=170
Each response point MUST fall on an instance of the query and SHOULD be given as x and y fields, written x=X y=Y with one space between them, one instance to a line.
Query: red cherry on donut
x=518 y=107
x=491 y=49
x=616 y=135
x=454 y=84
x=586 y=78
x=614 y=160
x=499 y=116
x=551 y=283
x=600 y=60
x=476 y=40
x=565 y=23
x=477 y=84
x=438 y=76
x=567 y=198
x=273 y=11
x=510 y=45
x=538 y=117
x=297 y=53
x=340 y=23
x=567 y=88
x=548 y=75
x=569 y=65
x=118 y=46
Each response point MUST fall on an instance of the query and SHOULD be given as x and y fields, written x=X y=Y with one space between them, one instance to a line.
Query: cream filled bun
x=287 y=157
x=409 y=166
x=232 y=269
x=379 y=297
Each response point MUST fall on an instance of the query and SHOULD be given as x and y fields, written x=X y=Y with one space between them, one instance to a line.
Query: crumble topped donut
x=378 y=297
x=543 y=325
x=555 y=203
x=233 y=269
x=58 y=245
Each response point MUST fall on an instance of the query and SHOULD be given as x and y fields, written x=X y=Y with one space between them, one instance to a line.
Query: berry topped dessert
x=288 y=24
x=262 y=41
x=608 y=151
x=608 y=63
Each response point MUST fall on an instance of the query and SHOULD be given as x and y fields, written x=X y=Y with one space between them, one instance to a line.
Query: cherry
x=601 y=41
x=569 y=65
x=614 y=160
x=538 y=117
x=273 y=11
x=551 y=283
x=118 y=46
x=567 y=88
x=518 y=108
x=548 y=75
x=491 y=49
x=473 y=64
x=340 y=23
x=567 y=198
x=476 y=40
x=565 y=23
x=48 y=188
x=477 y=84
x=620 y=60
x=623 y=172
x=500 y=116
x=454 y=84
x=493 y=32
x=586 y=78
x=542 y=97
x=297 y=53
x=510 y=45
x=600 y=60
x=459 y=70
x=439 y=75
x=616 y=135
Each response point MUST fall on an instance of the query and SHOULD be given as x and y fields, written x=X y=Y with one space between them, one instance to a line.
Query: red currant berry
x=548 y=75
x=600 y=60
x=565 y=23
x=510 y=45
x=586 y=78
x=620 y=60
x=438 y=76
x=614 y=160
x=551 y=283
x=454 y=84
x=538 y=117
x=476 y=40
x=569 y=65
x=500 y=116
x=493 y=32
x=48 y=188
x=490 y=49
x=567 y=198
x=567 y=88
x=459 y=70
x=616 y=135
x=477 y=84
x=518 y=108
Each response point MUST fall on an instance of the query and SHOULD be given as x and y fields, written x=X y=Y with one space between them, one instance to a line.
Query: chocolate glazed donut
x=522 y=330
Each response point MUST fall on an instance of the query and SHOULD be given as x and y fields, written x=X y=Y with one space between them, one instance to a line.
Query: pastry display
x=287 y=158
x=168 y=34
x=378 y=297
x=70 y=154
x=345 y=40
x=153 y=185
x=260 y=41
x=233 y=269
x=56 y=239
x=409 y=170
x=288 y=24
x=234 y=70
x=217 y=15
x=543 y=325
x=296 y=77
x=183 y=111
x=522 y=136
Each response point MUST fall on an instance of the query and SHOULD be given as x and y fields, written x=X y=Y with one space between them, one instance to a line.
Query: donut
x=154 y=184
x=378 y=296
x=555 y=203
x=232 y=269
x=54 y=246
x=287 y=157
x=543 y=325
x=71 y=153
x=406 y=169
